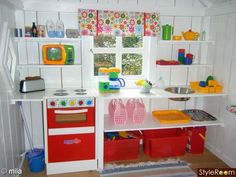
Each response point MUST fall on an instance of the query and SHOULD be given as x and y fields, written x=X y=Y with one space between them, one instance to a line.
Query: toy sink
x=179 y=90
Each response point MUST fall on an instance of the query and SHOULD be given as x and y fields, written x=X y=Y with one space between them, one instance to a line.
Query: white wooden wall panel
x=206 y=21
x=10 y=131
x=19 y=17
x=164 y=51
x=128 y=2
x=27 y=112
x=229 y=47
x=167 y=20
x=184 y=3
x=163 y=77
x=178 y=76
x=70 y=20
x=89 y=1
x=191 y=104
x=144 y=3
x=22 y=52
x=160 y=104
x=220 y=47
x=222 y=140
x=195 y=50
x=43 y=17
x=30 y=17
x=196 y=3
x=52 y=77
x=7 y=131
x=112 y=1
x=3 y=157
x=167 y=3
x=182 y=24
x=37 y=124
x=180 y=105
x=15 y=133
x=71 y=77
x=33 y=53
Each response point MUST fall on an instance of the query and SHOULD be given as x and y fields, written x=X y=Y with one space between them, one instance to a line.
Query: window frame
x=118 y=50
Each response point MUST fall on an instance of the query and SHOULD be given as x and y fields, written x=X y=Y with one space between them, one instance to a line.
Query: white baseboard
x=220 y=155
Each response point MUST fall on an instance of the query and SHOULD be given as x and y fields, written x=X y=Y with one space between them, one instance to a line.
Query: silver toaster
x=32 y=85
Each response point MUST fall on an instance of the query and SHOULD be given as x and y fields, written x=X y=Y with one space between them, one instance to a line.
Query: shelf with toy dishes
x=185 y=42
x=46 y=39
x=22 y=66
x=150 y=122
x=188 y=37
x=176 y=64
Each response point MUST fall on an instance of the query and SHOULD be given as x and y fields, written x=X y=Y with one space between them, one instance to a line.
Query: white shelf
x=184 y=42
x=151 y=123
x=46 y=39
x=184 y=66
x=155 y=93
x=33 y=96
x=48 y=66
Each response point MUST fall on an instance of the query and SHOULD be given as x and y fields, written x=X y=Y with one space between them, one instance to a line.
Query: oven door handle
x=70 y=111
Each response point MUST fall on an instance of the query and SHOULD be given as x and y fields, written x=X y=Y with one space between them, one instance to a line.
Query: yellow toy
x=190 y=35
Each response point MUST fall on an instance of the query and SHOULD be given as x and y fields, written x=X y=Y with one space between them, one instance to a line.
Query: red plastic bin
x=165 y=142
x=196 y=140
x=121 y=149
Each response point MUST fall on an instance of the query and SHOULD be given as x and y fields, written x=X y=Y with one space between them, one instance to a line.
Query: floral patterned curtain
x=88 y=22
x=152 y=24
x=118 y=23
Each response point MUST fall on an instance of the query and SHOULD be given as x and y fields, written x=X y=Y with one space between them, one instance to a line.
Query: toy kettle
x=190 y=35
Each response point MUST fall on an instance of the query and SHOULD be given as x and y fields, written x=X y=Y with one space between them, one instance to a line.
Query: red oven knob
x=52 y=103
x=81 y=102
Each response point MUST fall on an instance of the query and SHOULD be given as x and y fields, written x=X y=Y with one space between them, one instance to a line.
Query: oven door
x=72 y=147
x=70 y=117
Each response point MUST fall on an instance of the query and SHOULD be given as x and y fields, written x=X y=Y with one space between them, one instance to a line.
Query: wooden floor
x=205 y=160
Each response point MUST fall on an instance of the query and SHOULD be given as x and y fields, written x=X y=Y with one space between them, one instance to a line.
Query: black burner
x=61 y=90
x=80 y=90
x=60 y=94
x=81 y=93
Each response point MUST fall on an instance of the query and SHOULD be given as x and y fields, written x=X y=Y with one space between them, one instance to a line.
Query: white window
x=127 y=53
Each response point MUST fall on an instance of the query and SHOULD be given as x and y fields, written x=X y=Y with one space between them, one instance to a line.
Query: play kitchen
x=106 y=80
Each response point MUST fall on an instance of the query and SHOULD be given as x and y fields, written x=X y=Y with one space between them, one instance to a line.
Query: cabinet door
x=74 y=147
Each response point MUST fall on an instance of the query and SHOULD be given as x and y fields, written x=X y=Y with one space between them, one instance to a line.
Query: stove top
x=71 y=92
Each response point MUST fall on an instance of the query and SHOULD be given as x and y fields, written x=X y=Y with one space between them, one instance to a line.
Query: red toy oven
x=71 y=129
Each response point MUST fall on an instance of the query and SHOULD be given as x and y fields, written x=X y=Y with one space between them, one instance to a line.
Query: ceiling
x=205 y=3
